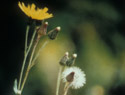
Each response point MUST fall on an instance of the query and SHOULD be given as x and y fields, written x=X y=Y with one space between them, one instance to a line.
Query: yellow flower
x=31 y=11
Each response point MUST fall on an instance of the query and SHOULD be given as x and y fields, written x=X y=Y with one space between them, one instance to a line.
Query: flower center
x=70 y=77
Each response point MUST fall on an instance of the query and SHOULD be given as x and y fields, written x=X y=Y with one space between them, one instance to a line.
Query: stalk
x=28 y=68
x=33 y=62
x=26 y=54
x=59 y=80
x=66 y=88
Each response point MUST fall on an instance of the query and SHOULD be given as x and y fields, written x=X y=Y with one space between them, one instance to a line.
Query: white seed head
x=58 y=28
x=78 y=79
x=74 y=55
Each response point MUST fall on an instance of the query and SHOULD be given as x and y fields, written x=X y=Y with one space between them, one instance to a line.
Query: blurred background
x=94 y=29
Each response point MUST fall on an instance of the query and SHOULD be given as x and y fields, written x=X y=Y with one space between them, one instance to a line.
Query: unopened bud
x=58 y=28
x=53 y=33
x=71 y=61
x=43 y=29
x=70 y=77
x=74 y=55
x=46 y=23
x=67 y=53
x=64 y=59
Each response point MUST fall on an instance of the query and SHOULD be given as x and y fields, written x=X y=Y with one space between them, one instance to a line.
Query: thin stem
x=26 y=75
x=33 y=62
x=31 y=41
x=28 y=68
x=21 y=74
x=59 y=80
x=34 y=48
x=25 y=57
x=66 y=88
x=26 y=38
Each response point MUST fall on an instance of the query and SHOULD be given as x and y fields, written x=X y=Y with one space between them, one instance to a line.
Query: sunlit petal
x=45 y=9
x=31 y=11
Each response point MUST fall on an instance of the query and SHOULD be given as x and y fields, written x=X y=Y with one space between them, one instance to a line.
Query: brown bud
x=64 y=59
x=70 y=77
x=71 y=61
x=53 y=33
x=58 y=28
x=43 y=29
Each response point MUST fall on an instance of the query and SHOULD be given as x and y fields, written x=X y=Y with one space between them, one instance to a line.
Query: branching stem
x=37 y=55
x=28 y=68
x=25 y=55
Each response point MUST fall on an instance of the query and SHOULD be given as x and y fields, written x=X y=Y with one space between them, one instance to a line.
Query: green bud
x=64 y=59
x=71 y=61
x=53 y=33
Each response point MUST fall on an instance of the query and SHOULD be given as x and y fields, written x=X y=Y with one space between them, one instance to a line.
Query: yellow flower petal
x=31 y=11
x=45 y=9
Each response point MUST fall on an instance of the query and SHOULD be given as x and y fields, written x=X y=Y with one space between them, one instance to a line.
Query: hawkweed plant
x=72 y=76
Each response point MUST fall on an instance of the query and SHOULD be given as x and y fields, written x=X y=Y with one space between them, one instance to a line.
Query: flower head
x=31 y=11
x=75 y=76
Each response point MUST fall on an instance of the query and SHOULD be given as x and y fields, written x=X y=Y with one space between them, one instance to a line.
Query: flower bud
x=74 y=55
x=53 y=33
x=71 y=61
x=70 y=77
x=58 y=28
x=43 y=29
x=64 y=59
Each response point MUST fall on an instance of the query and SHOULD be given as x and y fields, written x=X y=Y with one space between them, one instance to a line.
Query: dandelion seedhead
x=75 y=76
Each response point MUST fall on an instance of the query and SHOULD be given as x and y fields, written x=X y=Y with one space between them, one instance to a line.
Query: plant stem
x=32 y=39
x=28 y=68
x=58 y=80
x=25 y=57
x=66 y=88
x=26 y=75
x=26 y=39
x=33 y=62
